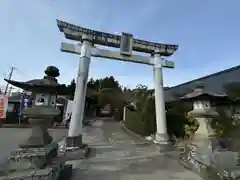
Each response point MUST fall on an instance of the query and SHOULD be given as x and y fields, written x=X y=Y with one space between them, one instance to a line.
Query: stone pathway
x=118 y=156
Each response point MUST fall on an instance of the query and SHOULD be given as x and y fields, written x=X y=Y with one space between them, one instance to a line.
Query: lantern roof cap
x=199 y=93
x=48 y=84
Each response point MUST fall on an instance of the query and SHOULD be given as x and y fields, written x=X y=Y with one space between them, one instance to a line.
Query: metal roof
x=212 y=83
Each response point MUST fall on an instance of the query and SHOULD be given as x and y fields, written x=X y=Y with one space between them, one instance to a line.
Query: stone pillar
x=161 y=134
x=74 y=138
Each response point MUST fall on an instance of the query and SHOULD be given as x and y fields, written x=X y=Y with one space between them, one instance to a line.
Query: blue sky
x=207 y=32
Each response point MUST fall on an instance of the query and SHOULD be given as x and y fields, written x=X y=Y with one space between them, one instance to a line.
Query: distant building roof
x=212 y=83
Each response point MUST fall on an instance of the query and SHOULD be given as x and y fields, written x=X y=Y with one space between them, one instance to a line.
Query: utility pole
x=9 y=78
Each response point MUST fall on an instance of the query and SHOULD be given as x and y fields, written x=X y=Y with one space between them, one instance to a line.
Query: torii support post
x=161 y=134
x=127 y=44
x=74 y=138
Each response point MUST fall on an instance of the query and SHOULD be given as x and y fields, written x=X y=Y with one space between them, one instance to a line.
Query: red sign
x=3 y=106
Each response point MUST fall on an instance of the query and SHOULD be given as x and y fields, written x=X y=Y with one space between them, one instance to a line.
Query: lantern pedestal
x=205 y=151
x=75 y=149
x=207 y=154
x=38 y=156
x=204 y=118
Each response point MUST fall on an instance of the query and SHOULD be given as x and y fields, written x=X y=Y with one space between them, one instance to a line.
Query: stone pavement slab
x=116 y=155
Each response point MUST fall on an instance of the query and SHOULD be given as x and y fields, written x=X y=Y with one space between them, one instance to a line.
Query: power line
x=21 y=72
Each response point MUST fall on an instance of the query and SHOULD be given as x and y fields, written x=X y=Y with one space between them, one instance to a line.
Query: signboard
x=74 y=32
x=126 y=44
x=167 y=64
x=3 y=106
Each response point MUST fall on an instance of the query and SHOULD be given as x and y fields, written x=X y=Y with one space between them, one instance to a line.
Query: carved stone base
x=73 y=148
x=32 y=158
x=73 y=142
x=38 y=163
x=77 y=152
x=161 y=140
x=209 y=158
x=57 y=170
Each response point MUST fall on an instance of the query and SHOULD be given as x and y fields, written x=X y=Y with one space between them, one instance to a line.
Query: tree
x=141 y=93
x=107 y=89
x=224 y=125
x=92 y=84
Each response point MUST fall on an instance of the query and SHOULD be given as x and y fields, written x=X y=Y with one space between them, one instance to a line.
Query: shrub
x=175 y=123
x=224 y=125
x=190 y=127
x=179 y=125
x=135 y=123
x=143 y=120
x=149 y=116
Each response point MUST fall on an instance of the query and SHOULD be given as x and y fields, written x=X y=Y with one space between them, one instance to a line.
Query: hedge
x=143 y=121
x=135 y=123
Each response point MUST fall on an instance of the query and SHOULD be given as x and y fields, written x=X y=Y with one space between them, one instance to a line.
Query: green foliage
x=102 y=91
x=110 y=96
x=140 y=95
x=142 y=119
x=224 y=125
x=190 y=127
x=175 y=123
x=135 y=123
x=149 y=115
x=179 y=125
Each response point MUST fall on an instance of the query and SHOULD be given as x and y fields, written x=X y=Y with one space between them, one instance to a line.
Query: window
x=10 y=107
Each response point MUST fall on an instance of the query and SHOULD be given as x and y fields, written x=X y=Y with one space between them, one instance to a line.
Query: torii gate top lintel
x=74 y=32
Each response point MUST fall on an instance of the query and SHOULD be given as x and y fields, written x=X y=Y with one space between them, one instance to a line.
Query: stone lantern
x=203 y=110
x=204 y=148
x=39 y=152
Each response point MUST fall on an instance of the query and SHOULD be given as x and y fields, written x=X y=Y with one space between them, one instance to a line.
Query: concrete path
x=116 y=155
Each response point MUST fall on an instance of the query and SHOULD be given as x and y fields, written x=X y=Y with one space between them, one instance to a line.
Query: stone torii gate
x=89 y=38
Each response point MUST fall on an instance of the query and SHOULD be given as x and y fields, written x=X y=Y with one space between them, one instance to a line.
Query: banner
x=25 y=101
x=3 y=106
